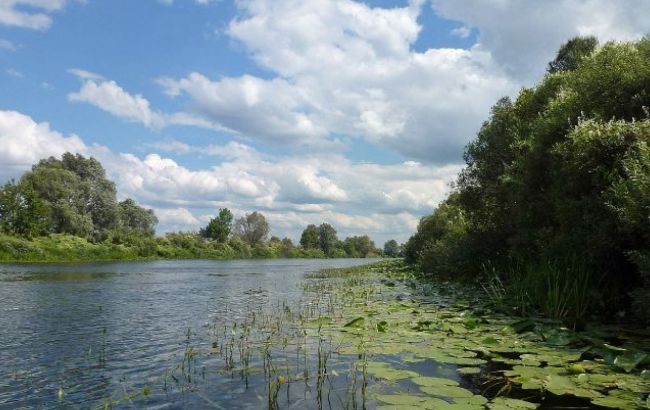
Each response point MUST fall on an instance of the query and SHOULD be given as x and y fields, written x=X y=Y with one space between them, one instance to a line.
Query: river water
x=80 y=335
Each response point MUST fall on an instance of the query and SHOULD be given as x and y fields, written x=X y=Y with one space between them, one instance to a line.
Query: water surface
x=74 y=335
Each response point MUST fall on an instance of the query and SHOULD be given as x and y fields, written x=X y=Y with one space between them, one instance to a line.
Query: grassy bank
x=67 y=248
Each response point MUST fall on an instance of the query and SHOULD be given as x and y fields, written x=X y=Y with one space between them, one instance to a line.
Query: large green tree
x=391 y=248
x=218 y=229
x=252 y=228
x=22 y=212
x=83 y=201
x=309 y=237
x=134 y=217
x=327 y=238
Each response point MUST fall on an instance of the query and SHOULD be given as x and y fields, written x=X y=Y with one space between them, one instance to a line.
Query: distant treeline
x=552 y=212
x=67 y=209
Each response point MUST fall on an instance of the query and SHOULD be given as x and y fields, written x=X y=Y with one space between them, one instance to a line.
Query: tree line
x=552 y=211
x=315 y=241
x=72 y=197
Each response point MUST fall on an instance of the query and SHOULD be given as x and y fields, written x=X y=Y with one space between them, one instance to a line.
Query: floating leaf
x=469 y=370
x=629 y=360
x=522 y=326
x=505 y=403
x=614 y=402
x=447 y=391
x=433 y=381
x=357 y=322
x=400 y=399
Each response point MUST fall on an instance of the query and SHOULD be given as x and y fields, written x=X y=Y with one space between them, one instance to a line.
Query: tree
x=327 y=238
x=359 y=246
x=309 y=237
x=252 y=228
x=219 y=228
x=83 y=201
x=391 y=249
x=137 y=218
x=21 y=211
x=572 y=53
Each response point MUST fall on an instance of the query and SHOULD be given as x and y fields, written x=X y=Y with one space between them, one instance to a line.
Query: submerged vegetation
x=552 y=212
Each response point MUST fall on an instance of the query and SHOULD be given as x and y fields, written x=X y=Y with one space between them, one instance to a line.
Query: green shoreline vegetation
x=66 y=210
x=387 y=336
x=551 y=214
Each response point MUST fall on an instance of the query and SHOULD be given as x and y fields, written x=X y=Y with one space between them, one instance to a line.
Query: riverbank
x=67 y=248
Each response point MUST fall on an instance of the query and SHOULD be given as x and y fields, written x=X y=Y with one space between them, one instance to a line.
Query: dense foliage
x=324 y=239
x=67 y=209
x=555 y=197
x=70 y=195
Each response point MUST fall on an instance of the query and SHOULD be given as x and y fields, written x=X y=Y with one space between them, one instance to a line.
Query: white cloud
x=344 y=68
x=293 y=191
x=107 y=95
x=522 y=36
x=14 y=73
x=7 y=45
x=31 y=14
x=24 y=142
x=462 y=31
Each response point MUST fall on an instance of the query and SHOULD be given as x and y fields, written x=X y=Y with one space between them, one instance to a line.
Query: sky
x=348 y=112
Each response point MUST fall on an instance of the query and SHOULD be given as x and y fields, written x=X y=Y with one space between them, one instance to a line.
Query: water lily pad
x=560 y=385
x=629 y=360
x=614 y=402
x=433 y=381
x=469 y=370
x=400 y=399
x=357 y=322
x=505 y=403
x=447 y=391
x=384 y=371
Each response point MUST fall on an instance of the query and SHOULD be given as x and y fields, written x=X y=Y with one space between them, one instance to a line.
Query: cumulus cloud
x=24 y=142
x=357 y=198
x=522 y=36
x=344 y=68
x=31 y=14
x=107 y=95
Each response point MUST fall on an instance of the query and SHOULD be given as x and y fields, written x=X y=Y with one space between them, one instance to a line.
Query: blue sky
x=354 y=113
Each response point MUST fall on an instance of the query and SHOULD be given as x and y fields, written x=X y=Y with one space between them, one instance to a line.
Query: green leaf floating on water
x=433 y=381
x=401 y=399
x=560 y=385
x=469 y=370
x=321 y=321
x=522 y=326
x=447 y=391
x=629 y=360
x=504 y=403
x=615 y=402
x=384 y=371
x=357 y=322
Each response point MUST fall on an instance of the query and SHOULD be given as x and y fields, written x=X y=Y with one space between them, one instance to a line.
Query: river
x=77 y=335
